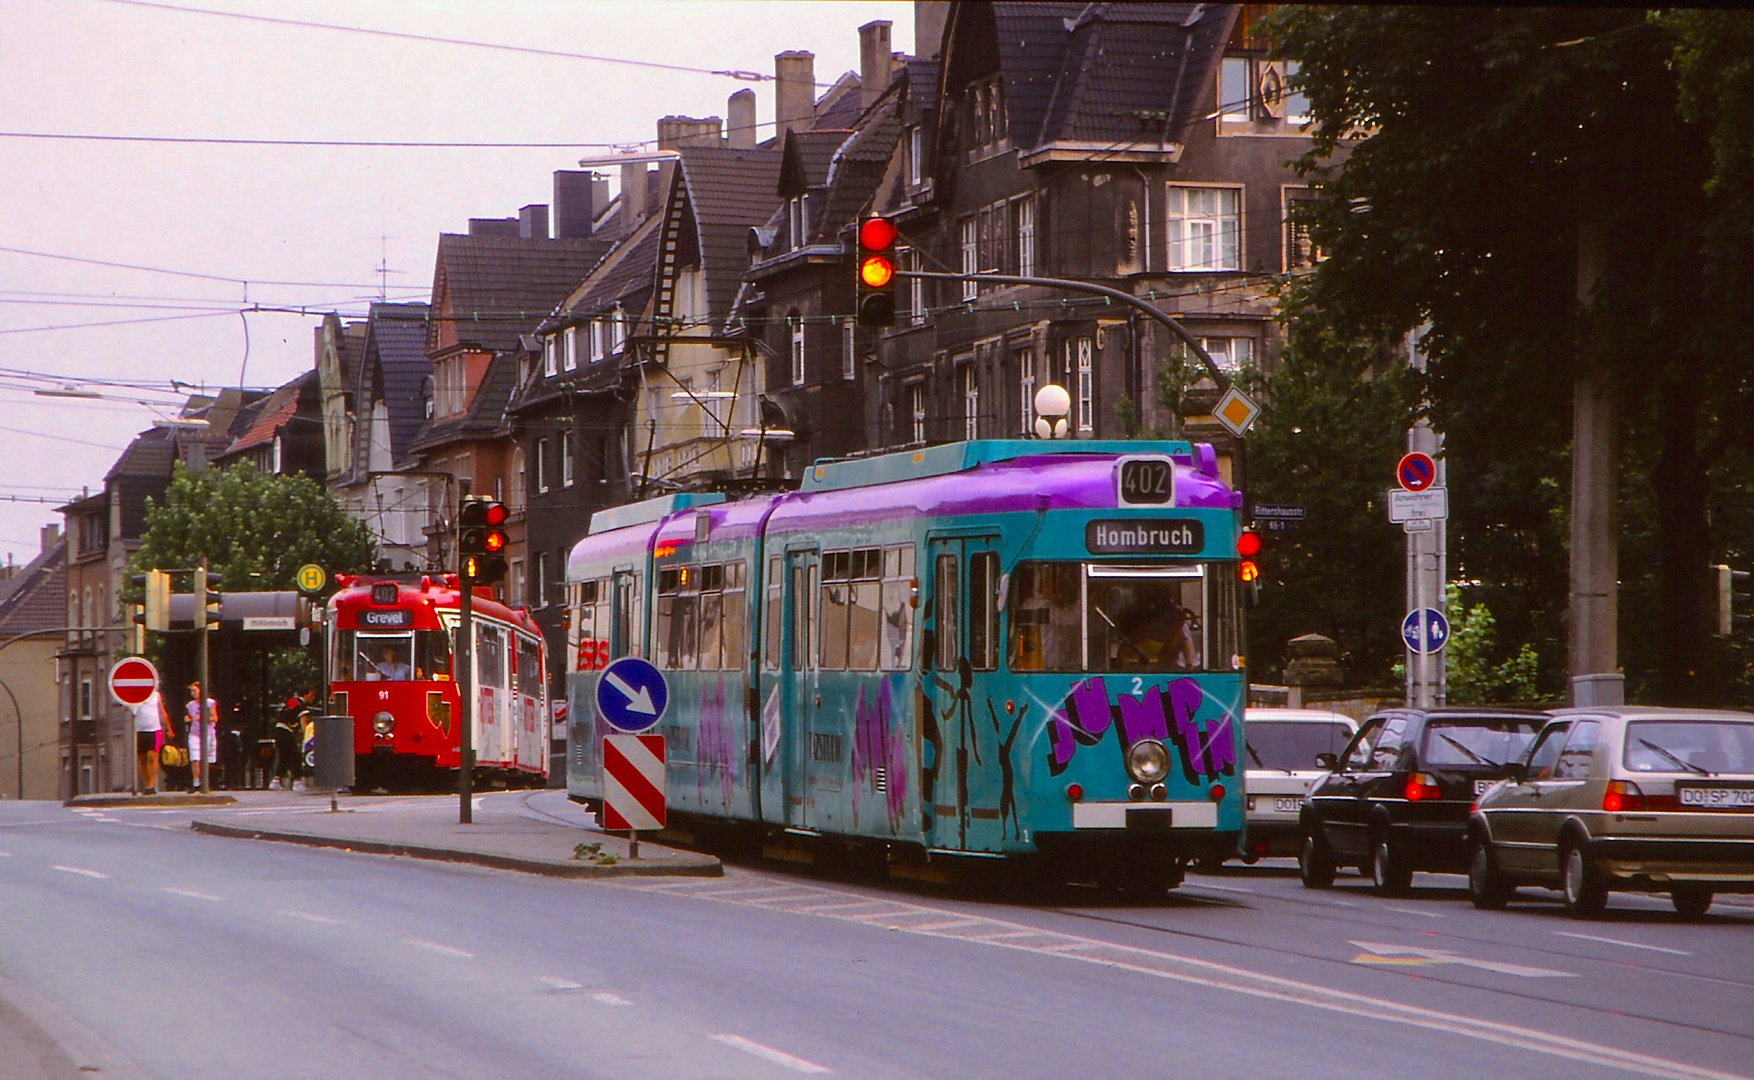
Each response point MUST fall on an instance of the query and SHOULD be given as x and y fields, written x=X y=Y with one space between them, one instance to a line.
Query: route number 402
x=1146 y=481
x=593 y=654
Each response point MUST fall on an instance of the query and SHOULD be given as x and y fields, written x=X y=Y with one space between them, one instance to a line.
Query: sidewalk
x=507 y=833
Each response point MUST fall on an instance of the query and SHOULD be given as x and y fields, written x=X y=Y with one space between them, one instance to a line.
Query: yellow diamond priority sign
x=1236 y=411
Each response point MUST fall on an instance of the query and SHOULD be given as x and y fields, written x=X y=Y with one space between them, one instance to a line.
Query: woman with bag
x=150 y=724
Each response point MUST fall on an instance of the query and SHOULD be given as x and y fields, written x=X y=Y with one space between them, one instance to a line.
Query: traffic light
x=1248 y=571
x=1735 y=605
x=874 y=287
x=156 y=604
x=207 y=599
x=137 y=633
x=481 y=540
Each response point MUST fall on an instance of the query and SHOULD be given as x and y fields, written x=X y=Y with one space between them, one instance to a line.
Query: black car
x=1397 y=799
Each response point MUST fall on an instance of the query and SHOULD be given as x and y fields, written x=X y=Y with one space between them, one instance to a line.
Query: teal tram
x=1005 y=650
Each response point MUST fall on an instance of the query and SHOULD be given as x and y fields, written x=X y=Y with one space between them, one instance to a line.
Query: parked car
x=1280 y=748
x=1636 y=799
x=1397 y=799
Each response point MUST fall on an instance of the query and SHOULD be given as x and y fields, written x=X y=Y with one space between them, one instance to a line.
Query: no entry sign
x=633 y=782
x=133 y=680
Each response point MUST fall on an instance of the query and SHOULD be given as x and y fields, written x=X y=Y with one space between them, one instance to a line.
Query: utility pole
x=465 y=681
x=1595 y=529
x=1427 y=556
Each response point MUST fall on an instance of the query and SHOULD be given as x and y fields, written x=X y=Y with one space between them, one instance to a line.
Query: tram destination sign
x=385 y=619
x=1145 y=536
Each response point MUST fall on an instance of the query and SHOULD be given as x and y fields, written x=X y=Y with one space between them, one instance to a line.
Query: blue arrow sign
x=632 y=695
x=1436 y=631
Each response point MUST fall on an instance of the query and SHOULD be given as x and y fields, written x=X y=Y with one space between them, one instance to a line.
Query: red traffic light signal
x=874 y=280
x=480 y=532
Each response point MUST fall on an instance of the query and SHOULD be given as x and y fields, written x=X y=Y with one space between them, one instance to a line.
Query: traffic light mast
x=481 y=546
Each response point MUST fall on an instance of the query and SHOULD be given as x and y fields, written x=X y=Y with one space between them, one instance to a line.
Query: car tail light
x=1422 y=786
x=1622 y=795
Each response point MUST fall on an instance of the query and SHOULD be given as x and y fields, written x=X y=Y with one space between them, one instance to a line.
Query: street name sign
x=633 y=782
x=133 y=680
x=1436 y=631
x=1431 y=503
x=632 y=695
x=1416 y=472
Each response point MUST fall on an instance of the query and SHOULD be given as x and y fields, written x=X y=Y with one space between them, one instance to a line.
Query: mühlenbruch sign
x=1140 y=536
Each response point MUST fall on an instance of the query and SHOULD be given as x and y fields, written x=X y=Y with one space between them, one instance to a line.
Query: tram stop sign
x=133 y=681
x=632 y=695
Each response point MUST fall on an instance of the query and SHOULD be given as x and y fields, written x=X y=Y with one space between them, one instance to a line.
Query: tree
x=1473 y=676
x=254 y=530
x=1480 y=145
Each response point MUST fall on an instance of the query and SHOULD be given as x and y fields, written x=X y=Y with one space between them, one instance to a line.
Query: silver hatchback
x=1635 y=799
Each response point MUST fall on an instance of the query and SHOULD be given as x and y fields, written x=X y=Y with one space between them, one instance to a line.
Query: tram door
x=798 y=689
x=966 y=775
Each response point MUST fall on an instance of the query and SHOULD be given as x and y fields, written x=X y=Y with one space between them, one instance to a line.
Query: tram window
x=677 y=633
x=864 y=609
x=770 y=651
x=627 y=616
x=490 y=655
x=382 y=657
x=341 y=656
x=983 y=612
x=432 y=654
x=897 y=629
x=1145 y=622
x=731 y=620
x=944 y=600
x=529 y=673
x=801 y=591
x=836 y=599
x=1046 y=631
x=712 y=602
x=1224 y=617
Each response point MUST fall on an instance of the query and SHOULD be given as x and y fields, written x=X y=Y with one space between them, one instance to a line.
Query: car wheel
x=1585 y=895
x=1315 y=863
x=1691 y=901
x=1486 y=886
x=1388 y=869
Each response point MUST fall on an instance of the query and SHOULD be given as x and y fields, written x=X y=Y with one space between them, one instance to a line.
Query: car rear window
x=1293 y=744
x=1483 y=742
x=1696 y=746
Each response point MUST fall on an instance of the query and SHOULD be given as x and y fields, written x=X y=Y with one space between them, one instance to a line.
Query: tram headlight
x=383 y=722
x=1147 y=761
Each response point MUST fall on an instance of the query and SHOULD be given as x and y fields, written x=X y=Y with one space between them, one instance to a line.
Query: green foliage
x=1473 y=673
x=1329 y=435
x=252 y=529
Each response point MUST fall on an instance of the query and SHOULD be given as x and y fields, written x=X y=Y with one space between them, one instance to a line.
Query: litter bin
x=333 y=768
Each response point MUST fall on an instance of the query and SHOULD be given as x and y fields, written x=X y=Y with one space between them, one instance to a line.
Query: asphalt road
x=132 y=946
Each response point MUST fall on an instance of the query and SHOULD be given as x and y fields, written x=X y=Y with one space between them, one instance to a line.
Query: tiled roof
x=486 y=415
x=839 y=106
x=277 y=410
x=397 y=341
x=497 y=287
x=1124 y=62
x=1032 y=40
x=36 y=597
x=624 y=275
x=149 y=455
x=730 y=191
x=807 y=154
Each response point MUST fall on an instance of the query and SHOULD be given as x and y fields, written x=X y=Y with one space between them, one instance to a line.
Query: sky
x=133 y=265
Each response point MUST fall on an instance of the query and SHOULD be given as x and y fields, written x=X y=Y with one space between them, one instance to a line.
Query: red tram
x=391 y=669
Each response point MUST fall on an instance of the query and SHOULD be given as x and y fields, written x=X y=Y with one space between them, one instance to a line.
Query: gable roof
x=805 y=159
x=729 y=191
x=493 y=288
x=277 y=410
x=394 y=364
x=1127 y=65
x=36 y=597
x=486 y=415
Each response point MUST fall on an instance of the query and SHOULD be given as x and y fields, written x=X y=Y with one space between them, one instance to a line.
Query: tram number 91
x=593 y=654
x=1146 y=481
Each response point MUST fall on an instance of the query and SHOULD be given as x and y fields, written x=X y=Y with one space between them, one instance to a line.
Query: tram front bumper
x=1132 y=815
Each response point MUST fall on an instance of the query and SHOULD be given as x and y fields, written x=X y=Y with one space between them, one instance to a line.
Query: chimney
x=575 y=204
x=599 y=194
x=51 y=535
x=794 y=96
x=874 y=61
x=675 y=131
x=533 y=222
x=741 y=111
x=930 y=16
x=633 y=195
x=480 y=226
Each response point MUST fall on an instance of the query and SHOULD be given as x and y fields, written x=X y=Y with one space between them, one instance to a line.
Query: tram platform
x=533 y=832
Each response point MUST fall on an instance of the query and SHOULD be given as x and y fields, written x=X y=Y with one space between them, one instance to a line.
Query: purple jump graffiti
x=1088 y=713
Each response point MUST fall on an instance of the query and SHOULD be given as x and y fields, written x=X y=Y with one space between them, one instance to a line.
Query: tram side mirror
x=1328 y=761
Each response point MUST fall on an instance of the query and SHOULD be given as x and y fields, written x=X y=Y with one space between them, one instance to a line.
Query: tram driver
x=390 y=667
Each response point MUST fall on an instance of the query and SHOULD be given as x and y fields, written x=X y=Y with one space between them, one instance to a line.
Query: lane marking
x=1627 y=944
x=604 y=997
x=308 y=917
x=1421 y=914
x=81 y=872
x=192 y=894
x=436 y=947
x=1220 y=888
x=768 y=1053
x=1377 y=952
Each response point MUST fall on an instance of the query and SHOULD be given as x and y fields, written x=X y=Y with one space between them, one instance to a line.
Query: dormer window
x=1254 y=97
x=618 y=330
x=797 y=219
x=986 y=101
x=916 y=146
x=551 y=355
x=571 y=361
x=598 y=335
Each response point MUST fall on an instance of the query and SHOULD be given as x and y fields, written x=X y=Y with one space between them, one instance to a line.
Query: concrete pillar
x=1596 y=678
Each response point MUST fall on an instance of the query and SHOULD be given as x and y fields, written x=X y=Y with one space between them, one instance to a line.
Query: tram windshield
x=1067 y=616
x=373 y=657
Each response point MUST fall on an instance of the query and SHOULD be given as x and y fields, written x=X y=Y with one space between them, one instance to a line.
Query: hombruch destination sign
x=1141 y=536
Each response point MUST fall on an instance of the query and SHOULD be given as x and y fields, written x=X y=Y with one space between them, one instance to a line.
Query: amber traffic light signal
x=874 y=287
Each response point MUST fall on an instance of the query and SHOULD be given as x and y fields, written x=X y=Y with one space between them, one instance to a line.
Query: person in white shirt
x=203 y=737
x=150 y=723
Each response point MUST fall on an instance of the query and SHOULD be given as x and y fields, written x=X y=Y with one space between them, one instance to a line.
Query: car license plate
x=1480 y=786
x=1696 y=797
x=1287 y=804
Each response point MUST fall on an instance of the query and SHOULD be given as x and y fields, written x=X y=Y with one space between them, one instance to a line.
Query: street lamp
x=1052 y=403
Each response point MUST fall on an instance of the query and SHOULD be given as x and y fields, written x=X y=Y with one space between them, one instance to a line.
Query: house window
x=987 y=107
x=541 y=466
x=916 y=408
x=515 y=582
x=618 y=330
x=1235 y=89
x=570 y=361
x=565 y=462
x=1025 y=212
x=916 y=145
x=848 y=350
x=597 y=337
x=1230 y=353
x=970 y=237
x=797 y=349
x=797 y=219
x=539 y=579
x=1086 y=386
x=1204 y=228
x=1299 y=251
x=1026 y=390
x=916 y=288
x=971 y=401
x=551 y=354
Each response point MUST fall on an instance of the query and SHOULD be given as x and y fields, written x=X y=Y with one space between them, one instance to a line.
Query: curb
x=169 y=799
x=706 y=867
